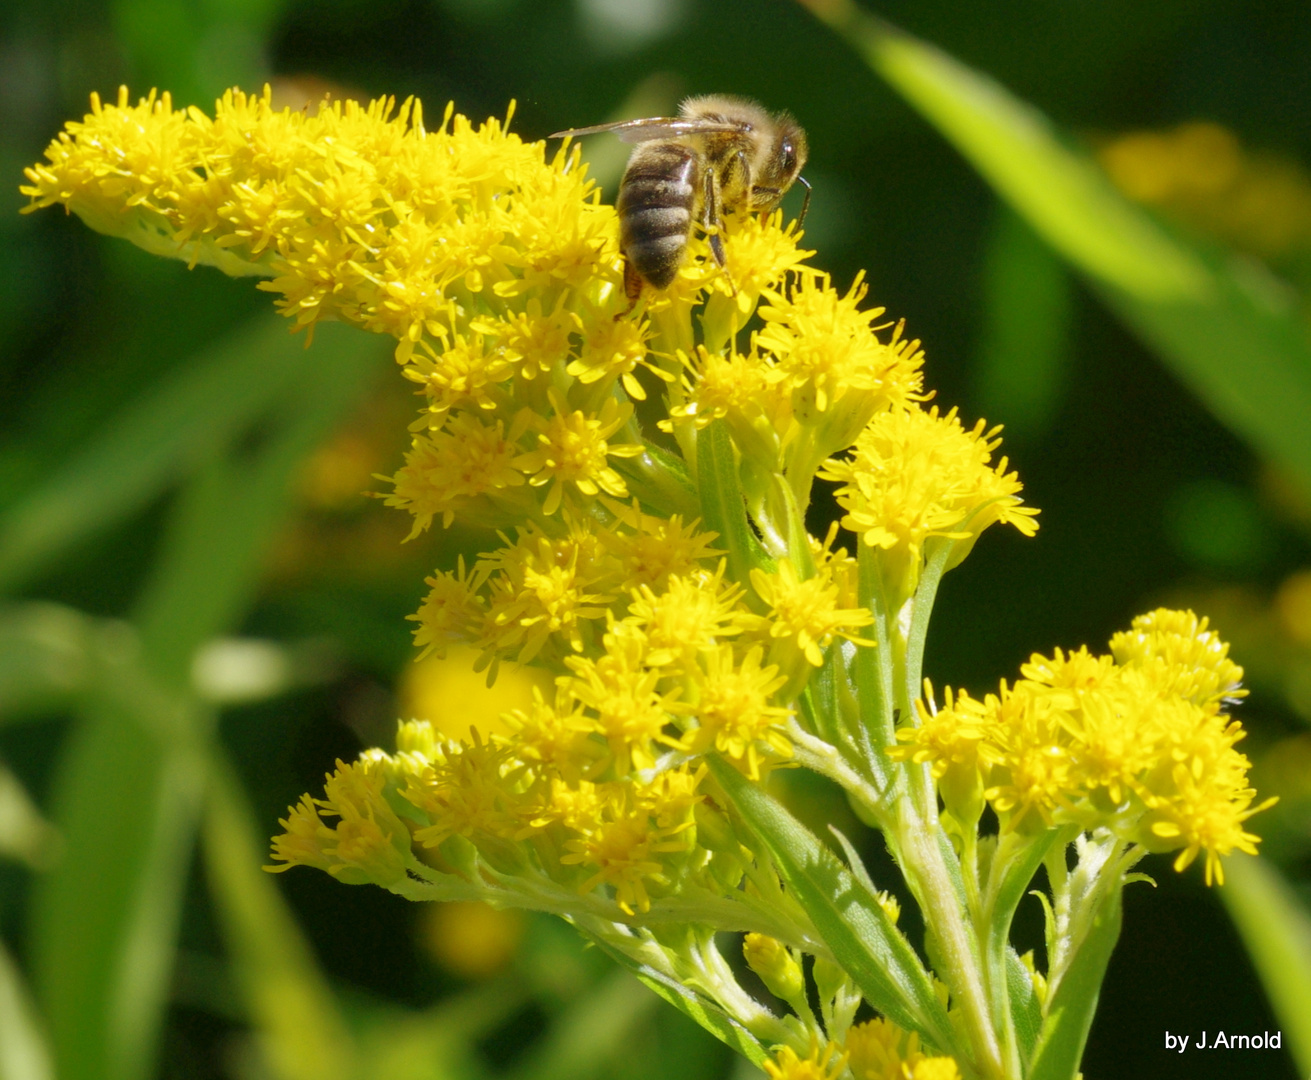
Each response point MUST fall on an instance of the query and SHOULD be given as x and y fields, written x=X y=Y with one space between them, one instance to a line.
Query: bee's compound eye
x=788 y=156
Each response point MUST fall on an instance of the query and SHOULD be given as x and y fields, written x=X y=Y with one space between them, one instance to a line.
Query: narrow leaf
x=1026 y=1009
x=723 y=508
x=156 y=440
x=302 y=1032
x=104 y=919
x=847 y=915
x=1070 y=1009
x=688 y=1002
x=131 y=782
x=1276 y=928
x=1227 y=327
x=23 y=1053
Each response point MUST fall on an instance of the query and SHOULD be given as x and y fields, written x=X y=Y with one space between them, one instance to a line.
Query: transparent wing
x=655 y=127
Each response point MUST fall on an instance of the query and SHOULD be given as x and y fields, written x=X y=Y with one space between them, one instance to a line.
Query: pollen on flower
x=450 y=614
x=541 y=589
x=691 y=613
x=574 y=452
x=826 y=350
x=915 y=478
x=470 y=792
x=368 y=843
x=623 y=846
x=880 y=1050
x=822 y=1063
x=1183 y=656
x=730 y=703
x=1134 y=742
x=448 y=472
x=624 y=699
x=807 y=612
x=650 y=549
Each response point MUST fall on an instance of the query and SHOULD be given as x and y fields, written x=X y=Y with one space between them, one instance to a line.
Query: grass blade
x=1225 y=326
x=23 y=1053
x=301 y=1030
x=130 y=787
x=1276 y=928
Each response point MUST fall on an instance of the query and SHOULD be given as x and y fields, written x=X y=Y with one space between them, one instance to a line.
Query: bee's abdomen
x=656 y=201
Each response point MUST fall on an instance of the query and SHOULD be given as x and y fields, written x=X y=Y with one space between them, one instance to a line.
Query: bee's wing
x=655 y=127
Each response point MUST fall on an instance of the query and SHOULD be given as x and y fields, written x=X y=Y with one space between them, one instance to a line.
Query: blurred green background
x=202 y=612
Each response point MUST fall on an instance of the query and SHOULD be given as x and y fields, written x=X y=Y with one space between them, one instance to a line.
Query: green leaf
x=660 y=480
x=1026 y=1009
x=687 y=1001
x=723 y=508
x=302 y=1033
x=1018 y=860
x=130 y=785
x=1022 y=369
x=24 y=834
x=1226 y=327
x=103 y=920
x=155 y=441
x=591 y=1036
x=46 y=656
x=845 y=912
x=23 y=1053
x=1071 y=1006
x=1276 y=928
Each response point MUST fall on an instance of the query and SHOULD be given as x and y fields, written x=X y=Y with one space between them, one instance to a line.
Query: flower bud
x=777 y=968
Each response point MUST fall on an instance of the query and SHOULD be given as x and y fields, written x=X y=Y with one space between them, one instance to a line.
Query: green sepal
x=844 y=911
x=687 y=1001
x=1071 y=1006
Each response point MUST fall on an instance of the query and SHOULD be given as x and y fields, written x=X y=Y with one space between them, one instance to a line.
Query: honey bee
x=719 y=154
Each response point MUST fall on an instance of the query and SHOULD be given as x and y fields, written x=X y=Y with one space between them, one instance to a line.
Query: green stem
x=940 y=896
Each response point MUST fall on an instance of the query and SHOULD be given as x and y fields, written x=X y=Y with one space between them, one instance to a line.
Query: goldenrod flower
x=806 y=615
x=914 y=479
x=879 y=1050
x=822 y=1063
x=622 y=691
x=369 y=842
x=691 y=613
x=1134 y=743
x=730 y=702
x=676 y=647
x=623 y=844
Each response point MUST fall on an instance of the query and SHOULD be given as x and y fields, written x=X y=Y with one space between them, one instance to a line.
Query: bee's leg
x=710 y=218
x=805 y=205
x=632 y=287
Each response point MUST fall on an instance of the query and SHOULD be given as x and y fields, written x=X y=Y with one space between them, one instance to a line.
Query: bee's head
x=787 y=157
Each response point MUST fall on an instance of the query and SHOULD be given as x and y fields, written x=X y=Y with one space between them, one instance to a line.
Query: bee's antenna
x=805 y=205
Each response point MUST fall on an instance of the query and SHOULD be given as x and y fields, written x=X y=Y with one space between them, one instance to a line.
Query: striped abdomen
x=656 y=201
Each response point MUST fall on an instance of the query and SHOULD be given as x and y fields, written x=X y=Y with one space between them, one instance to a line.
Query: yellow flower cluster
x=521 y=801
x=1136 y=742
x=874 y=1050
x=916 y=479
x=648 y=469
